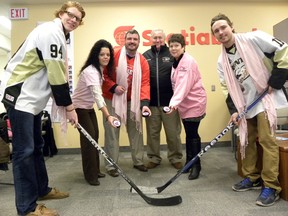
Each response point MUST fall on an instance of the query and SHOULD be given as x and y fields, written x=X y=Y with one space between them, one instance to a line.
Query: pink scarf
x=119 y=102
x=58 y=113
x=259 y=74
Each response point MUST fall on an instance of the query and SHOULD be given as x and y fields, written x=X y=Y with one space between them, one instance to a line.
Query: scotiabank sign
x=191 y=37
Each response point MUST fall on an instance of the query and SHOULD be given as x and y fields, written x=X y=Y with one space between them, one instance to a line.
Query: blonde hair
x=69 y=4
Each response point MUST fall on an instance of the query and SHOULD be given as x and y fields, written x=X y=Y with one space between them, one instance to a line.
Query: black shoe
x=142 y=168
x=194 y=172
x=94 y=183
x=101 y=175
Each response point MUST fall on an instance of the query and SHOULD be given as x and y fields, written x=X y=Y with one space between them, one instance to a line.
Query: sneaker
x=267 y=197
x=246 y=184
x=54 y=194
x=41 y=210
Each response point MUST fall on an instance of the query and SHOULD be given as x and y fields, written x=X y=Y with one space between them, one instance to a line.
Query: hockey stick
x=167 y=201
x=156 y=190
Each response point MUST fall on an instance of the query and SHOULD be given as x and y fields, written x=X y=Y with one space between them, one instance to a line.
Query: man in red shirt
x=127 y=95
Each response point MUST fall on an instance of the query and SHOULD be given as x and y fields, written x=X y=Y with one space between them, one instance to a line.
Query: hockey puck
x=166 y=109
x=145 y=114
x=116 y=123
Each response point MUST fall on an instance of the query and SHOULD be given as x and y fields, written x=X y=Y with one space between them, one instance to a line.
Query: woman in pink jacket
x=189 y=98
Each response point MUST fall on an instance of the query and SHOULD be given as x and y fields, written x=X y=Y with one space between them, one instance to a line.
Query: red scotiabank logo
x=191 y=37
x=119 y=34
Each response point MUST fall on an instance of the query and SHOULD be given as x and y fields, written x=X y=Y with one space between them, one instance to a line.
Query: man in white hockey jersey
x=35 y=72
x=250 y=63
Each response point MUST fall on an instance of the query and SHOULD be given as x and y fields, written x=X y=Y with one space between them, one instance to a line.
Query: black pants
x=193 y=140
x=90 y=155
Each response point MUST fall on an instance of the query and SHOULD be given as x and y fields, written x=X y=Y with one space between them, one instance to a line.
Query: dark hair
x=132 y=31
x=221 y=17
x=93 y=57
x=177 y=38
x=69 y=4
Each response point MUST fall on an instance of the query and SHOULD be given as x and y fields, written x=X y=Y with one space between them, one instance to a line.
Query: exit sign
x=18 y=13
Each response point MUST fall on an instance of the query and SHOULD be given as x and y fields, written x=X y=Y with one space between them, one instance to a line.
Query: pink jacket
x=189 y=94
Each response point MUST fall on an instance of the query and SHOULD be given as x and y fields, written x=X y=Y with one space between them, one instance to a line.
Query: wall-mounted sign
x=18 y=13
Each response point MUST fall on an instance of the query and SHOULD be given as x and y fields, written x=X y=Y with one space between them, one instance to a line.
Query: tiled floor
x=210 y=195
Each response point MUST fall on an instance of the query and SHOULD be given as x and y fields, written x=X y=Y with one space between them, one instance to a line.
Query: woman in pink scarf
x=248 y=64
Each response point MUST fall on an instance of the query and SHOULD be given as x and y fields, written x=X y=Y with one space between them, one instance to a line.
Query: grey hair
x=155 y=31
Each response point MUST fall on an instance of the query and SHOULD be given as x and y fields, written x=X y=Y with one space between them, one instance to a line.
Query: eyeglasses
x=72 y=16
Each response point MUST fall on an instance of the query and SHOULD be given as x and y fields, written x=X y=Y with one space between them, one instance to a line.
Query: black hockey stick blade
x=164 y=201
x=203 y=150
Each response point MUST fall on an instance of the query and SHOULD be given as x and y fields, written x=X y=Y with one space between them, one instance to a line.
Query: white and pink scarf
x=259 y=74
x=58 y=113
x=119 y=102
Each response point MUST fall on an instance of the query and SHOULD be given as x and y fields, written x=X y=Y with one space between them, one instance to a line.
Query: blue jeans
x=29 y=170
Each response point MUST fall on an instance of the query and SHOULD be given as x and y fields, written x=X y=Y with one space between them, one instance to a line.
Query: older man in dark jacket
x=160 y=63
